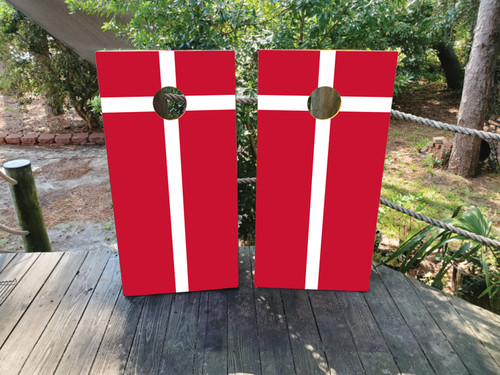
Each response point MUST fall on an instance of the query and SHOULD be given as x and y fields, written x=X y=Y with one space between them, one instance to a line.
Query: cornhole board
x=173 y=182
x=319 y=181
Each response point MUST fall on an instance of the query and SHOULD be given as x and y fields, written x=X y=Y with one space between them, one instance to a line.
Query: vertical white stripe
x=176 y=201
x=316 y=210
x=318 y=181
x=326 y=68
x=167 y=68
x=174 y=176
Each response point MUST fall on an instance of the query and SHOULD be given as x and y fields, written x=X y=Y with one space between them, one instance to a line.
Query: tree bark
x=449 y=62
x=478 y=83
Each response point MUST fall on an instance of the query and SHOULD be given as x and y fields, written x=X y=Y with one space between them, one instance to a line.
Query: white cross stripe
x=282 y=103
x=317 y=204
x=349 y=103
x=318 y=181
x=365 y=104
x=174 y=178
x=167 y=68
x=127 y=104
x=176 y=203
x=145 y=103
x=326 y=77
x=326 y=68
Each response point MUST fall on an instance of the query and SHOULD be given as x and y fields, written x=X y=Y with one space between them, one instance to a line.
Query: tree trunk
x=451 y=66
x=478 y=82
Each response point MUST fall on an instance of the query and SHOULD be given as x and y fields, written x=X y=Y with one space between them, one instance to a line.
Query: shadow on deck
x=66 y=314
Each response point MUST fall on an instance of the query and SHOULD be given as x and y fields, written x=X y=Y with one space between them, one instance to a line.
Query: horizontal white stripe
x=127 y=104
x=365 y=104
x=227 y=102
x=282 y=103
x=145 y=103
x=176 y=202
x=210 y=102
x=349 y=103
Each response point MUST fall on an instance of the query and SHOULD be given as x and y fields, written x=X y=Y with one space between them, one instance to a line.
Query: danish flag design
x=174 y=188
x=319 y=180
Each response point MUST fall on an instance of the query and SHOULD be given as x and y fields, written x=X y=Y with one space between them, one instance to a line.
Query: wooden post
x=324 y=103
x=29 y=214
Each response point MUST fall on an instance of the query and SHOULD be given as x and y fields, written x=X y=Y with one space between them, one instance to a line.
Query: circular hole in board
x=324 y=103
x=169 y=108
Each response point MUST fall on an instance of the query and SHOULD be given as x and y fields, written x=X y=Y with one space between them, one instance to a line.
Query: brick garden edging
x=47 y=139
x=439 y=147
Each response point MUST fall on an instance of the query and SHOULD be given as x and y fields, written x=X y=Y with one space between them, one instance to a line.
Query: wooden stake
x=29 y=214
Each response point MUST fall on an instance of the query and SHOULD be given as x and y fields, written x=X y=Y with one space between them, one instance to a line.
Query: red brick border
x=47 y=139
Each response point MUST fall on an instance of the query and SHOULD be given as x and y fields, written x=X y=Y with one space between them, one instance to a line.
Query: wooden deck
x=66 y=314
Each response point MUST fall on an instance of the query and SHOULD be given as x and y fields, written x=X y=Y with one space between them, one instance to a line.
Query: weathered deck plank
x=336 y=336
x=146 y=351
x=398 y=336
x=433 y=342
x=19 y=346
x=5 y=260
x=243 y=341
x=29 y=283
x=370 y=343
x=211 y=348
x=307 y=348
x=52 y=343
x=113 y=353
x=470 y=350
x=180 y=341
x=482 y=322
x=400 y=326
x=82 y=348
x=274 y=341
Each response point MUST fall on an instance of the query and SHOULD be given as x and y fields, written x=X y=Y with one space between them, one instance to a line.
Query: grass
x=423 y=186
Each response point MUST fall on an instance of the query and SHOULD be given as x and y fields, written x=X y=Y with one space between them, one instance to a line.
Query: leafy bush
x=411 y=27
x=453 y=250
x=36 y=63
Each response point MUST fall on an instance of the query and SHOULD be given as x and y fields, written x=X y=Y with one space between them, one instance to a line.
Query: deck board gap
x=288 y=332
x=32 y=299
x=53 y=312
x=318 y=329
x=61 y=357
x=252 y=270
x=136 y=328
x=107 y=325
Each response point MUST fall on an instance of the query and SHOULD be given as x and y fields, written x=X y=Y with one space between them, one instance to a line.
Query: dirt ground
x=35 y=117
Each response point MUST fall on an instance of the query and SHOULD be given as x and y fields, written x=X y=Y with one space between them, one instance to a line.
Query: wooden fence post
x=29 y=214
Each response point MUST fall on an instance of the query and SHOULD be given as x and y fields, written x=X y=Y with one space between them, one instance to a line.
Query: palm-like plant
x=451 y=249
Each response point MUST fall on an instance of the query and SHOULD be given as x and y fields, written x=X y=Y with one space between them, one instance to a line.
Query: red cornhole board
x=173 y=182
x=319 y=181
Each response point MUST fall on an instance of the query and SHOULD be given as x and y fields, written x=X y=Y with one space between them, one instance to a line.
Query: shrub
x=34 y=63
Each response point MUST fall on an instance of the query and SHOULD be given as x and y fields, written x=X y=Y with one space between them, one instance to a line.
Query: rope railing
x=394 y=113
x=10 y=180
x=429 y=220
x=445 y=126
x=14 y=231
x=440 y=224
x=247 y=180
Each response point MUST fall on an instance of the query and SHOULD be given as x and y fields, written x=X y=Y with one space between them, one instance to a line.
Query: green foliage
x=403 y=224
x=34 y=63
x=450 y=249
x=410 y=27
